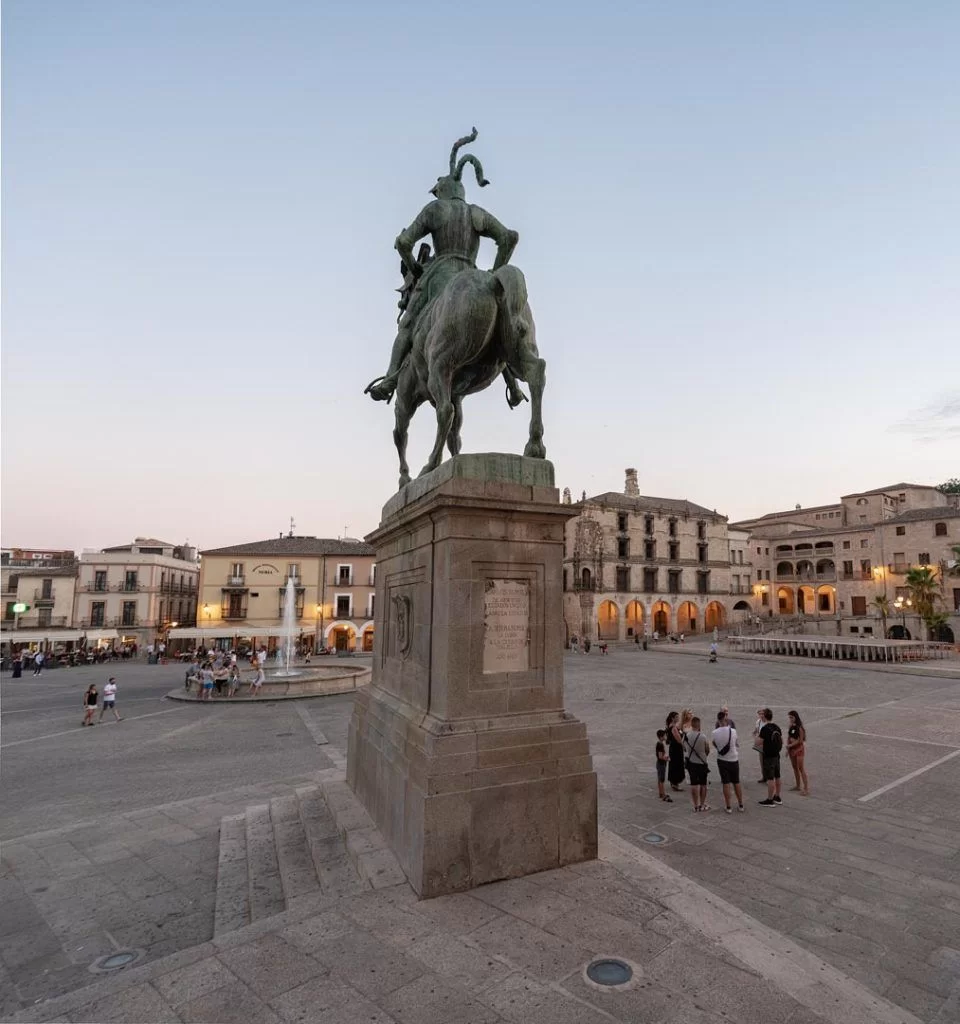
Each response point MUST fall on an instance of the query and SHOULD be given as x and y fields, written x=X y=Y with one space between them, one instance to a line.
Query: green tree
x=951 y=486
x=935 y=624
x=924 y=589
x=882 y=604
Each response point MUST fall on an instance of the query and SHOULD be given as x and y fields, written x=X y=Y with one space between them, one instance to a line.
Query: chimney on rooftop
x=631 y=489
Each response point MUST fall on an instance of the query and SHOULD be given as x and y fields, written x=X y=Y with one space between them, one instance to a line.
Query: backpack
x=775 y=741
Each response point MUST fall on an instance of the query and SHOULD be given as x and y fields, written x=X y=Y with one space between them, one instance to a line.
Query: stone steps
x=317 y=840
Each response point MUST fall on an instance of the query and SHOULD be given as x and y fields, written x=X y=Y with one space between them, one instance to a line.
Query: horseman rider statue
x=456 y=228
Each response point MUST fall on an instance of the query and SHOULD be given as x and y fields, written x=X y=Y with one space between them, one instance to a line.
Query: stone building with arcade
x=826 y=569
x=636 y=565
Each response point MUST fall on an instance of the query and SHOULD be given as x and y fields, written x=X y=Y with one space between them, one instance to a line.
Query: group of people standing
x=683 y=750
x=219 y=672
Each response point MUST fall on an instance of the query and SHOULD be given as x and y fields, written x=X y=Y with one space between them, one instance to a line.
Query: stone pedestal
x=460 y=748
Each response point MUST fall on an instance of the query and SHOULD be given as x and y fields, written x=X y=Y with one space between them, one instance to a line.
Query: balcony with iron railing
x=41 y=598
x=342 y=581
x=113 y=622
x=236 y=580
x=33 y=621
x=899 y=568
x=232 y=614
x=856 y=574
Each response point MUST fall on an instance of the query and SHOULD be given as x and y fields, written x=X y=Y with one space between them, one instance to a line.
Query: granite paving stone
x=428 y=1000
x=270 y=965
x=233 y=1003
x=187 y=983
x=547 y=957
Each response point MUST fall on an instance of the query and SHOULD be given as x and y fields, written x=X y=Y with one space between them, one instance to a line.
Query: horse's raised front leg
x=453 y=438
x=535 y=374
x=440 y=388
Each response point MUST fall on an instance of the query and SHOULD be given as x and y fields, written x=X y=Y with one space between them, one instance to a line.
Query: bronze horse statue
x=461 y=327
x=477 y=328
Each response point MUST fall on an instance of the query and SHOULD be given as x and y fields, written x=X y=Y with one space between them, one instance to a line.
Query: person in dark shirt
x=772 y=739
x=89 y=704
x=796 y=748
x=662 y=760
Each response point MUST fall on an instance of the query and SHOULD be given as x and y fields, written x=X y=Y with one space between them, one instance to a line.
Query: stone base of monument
x=460 y=749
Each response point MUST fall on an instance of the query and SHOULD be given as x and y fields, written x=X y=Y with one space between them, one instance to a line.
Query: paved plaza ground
x=842 y=906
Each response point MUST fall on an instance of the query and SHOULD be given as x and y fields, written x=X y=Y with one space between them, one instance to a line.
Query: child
x=662 y=765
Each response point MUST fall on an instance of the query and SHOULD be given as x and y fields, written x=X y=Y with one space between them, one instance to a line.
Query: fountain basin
x=310 y=681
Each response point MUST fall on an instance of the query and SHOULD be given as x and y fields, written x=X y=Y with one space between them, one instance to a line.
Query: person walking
x=697 y=747
x=17 y=666
x=89 y=704
x=110 y=700
x=727 y=745
x=38 y=660
x=796 y=748
x=234 y=681
x=675 y=769
x=772 y=738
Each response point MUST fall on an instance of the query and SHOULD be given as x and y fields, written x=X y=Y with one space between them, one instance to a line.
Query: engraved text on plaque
x=506 y=626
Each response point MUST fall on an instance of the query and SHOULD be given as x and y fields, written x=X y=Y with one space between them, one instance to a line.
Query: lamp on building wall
x=207 y=613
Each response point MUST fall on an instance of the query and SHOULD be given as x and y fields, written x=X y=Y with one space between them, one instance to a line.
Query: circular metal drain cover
x=610 y=972
x=115 y=961
x=655 y=838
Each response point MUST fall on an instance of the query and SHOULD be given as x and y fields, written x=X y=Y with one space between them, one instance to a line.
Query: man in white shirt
x=110 y=699
x=727 y=746
x=38 y=660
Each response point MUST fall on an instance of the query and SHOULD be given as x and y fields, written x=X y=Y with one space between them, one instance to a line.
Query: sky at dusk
x=738 y=223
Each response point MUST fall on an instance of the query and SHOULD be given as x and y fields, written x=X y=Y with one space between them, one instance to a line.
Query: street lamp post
x=901 y=606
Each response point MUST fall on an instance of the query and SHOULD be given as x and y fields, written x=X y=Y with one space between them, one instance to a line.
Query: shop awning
x=222 y=632
x=93 y=635
x=51 y=635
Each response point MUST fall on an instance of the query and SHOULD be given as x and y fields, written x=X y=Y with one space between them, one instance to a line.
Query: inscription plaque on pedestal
x=506 y=626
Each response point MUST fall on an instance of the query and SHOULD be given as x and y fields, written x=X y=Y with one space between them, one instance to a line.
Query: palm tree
x=882 y=604
x=935 y=624
x=923 y=585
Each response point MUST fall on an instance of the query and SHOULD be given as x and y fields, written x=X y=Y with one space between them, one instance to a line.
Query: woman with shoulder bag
x=697 y=747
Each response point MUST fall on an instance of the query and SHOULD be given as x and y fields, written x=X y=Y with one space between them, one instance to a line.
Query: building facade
x=136 y=592
x=636 y=565
x=825 y=568
x=242 y=590
x=44 y=582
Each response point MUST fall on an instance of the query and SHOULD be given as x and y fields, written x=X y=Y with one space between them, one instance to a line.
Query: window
x=701 y=552
x=648 y=524
x=129 y=616
x=924 y=558
x=854 y=629
x=817 y=516
x=858 y=605
x=623 y=547
x=846 y=545
x=939 y=529
x=623 y=579
x=868 y=630
x=565 y=579
x=129 y=582
x=235 y=607
x=46 y=590
x=862 y=501
x=864 y=542
x=703 y=583
x=371 y=599
x=293 y=571
x=343 y=606
x=44 y=617
x=701 y=530
x=758 y=551
x=764 y=598
x=622 y=522
x=650 y=580
x=97 y=609
x=8 y=613
x=824 y=602
x=100 y=580
x=901 y=530
x=866 y=570
x=674 y=552
x=901 y=497
x=235 y=570
x=848 y=570
x=650 y=549
x=674 y=579
x=345 y=575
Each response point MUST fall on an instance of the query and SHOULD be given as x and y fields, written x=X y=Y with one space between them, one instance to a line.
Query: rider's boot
x=515 y=393
x=382 y=389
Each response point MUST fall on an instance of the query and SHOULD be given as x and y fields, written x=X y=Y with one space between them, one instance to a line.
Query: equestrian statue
x=460 y=328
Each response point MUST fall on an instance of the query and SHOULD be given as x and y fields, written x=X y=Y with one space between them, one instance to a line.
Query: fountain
x=285 y=651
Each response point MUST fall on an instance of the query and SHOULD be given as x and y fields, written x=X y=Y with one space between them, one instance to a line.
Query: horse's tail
x=512 y=304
